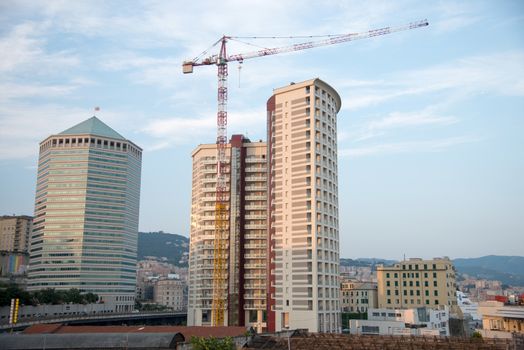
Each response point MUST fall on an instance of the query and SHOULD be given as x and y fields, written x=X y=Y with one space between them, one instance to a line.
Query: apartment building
x=86 y=214
x=417 y=283
x=15 y=232
x=358 y=296
x=303 y=242
x=171 y=293
x=245 y=283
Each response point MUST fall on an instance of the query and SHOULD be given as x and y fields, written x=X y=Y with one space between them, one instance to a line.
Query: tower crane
x=221 y=60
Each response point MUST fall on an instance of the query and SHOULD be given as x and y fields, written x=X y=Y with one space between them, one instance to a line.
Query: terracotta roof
x=326 y=341
x=43 y=328
x=188 y=332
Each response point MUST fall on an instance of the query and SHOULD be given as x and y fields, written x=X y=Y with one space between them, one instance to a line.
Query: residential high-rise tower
x=86 y=214
x=303 y=239
x=245 y=246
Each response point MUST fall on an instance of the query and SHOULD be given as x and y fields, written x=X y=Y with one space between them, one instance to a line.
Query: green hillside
x=163 y=245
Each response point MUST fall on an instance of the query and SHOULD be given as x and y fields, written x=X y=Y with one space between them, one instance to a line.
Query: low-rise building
x=30 y=313
x=356 y=296
x=499 y=320
x=415 y=321
x=171 y=293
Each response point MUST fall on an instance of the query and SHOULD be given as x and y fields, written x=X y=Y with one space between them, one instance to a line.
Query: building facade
x=171 y=293
x=417 y=283
x=416 y=321
x=500 y=320
x=246 y=243
x=358 y=296
x=303 y=239
x=15 y=232
x=86 y=214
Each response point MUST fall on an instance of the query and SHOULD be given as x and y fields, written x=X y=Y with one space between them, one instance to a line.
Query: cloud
x=167 y=132
x=24 y=48
x=501 y=73
x=397 y=120
x=436 y=145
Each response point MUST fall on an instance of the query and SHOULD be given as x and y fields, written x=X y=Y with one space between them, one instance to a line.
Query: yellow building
x=415 y=283
x=498 y=319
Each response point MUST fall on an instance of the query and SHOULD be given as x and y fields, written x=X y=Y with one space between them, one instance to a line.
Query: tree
x=212 y=343
x=91 y=298
x=49 y=296
x=73 y=296
x=476 y=336
x=12 y=291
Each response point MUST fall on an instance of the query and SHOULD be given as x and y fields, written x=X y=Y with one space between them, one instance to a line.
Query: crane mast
x=221 y=206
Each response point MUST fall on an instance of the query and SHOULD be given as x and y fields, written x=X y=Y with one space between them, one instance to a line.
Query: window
x=370 y=329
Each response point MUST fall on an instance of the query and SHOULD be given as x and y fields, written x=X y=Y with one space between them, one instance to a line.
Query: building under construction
x=243 y=263
x=278 y=271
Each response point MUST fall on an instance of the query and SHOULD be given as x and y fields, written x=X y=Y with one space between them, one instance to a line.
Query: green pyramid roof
x=93 y=126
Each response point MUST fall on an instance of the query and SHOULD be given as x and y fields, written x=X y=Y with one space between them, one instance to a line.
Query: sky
x=430 y=133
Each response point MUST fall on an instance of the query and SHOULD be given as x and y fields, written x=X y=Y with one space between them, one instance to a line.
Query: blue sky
x=431 y=145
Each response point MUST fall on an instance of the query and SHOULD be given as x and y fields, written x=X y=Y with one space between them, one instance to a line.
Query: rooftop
x=188 y=332
x=93 y=126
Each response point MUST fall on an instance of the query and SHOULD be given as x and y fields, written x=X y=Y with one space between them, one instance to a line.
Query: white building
x=416 y=321
x=170 y=293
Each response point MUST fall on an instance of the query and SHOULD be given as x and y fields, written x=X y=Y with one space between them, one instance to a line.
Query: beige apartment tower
x=356 y=296
x=15 y=232
x=246 y=244
x=86 y=214
x=417 y=283
x=303 y=242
